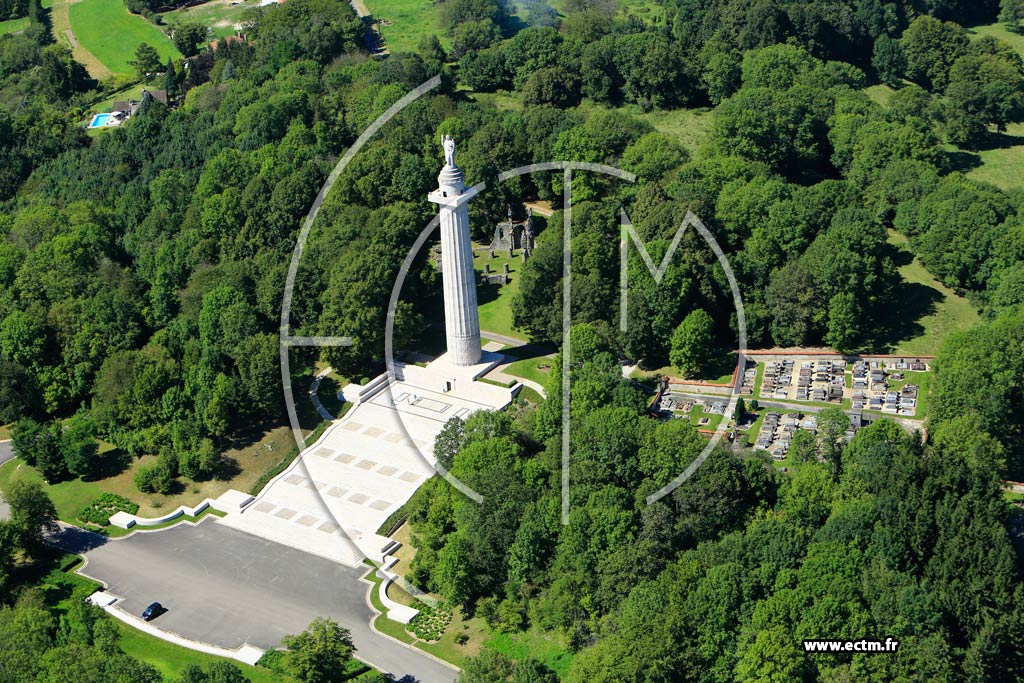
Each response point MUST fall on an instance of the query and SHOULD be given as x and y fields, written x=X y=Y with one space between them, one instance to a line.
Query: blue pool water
x=99 y=120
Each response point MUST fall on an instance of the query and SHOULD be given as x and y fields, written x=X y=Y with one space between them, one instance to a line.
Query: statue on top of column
x=449 y=150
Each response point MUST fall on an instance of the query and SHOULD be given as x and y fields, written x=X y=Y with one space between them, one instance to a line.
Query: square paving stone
x=387 y=470
x=308 y=520
x=328 y=527
x=358 y=498
x=285 y=513
x=323 y=452
x=337 y=492
x=380 y=504
x=345 y=458
x=409 y=477
x=295 y=479
x=352 y=426
x=265 y=507
x=393 y=437
x=366 y=464
x=373 y=431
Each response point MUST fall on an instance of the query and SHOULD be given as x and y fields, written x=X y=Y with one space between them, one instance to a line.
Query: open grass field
x=60 y=28
x=1015 y=40
x=536 y=369
x=70 y=497
x=1001 y=160
x=880 y=93
x=218 y=15
x=171 y=659
x=405 y=22
x=495 y=301
x=13 y=25
x=931 y=310
x=689 y=126
x=111 y=33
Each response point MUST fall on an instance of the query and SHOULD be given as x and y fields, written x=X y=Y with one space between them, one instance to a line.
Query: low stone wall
x=229 y=501
x=396 y=612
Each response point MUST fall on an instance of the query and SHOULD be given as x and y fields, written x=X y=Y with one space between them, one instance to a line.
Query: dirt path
x=61 y=24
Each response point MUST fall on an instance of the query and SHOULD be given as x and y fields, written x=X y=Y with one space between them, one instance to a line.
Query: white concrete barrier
x=247 y=654
x=229 y=501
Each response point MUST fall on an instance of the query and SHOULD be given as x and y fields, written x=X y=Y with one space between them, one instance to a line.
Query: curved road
x=224 y=587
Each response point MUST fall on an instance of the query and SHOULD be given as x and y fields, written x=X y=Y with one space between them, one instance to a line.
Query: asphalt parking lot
x=226 y=587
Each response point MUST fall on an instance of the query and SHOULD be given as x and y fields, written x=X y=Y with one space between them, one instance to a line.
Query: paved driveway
x=226 y=587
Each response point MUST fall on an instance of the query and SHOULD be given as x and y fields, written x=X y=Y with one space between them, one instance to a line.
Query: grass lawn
x=929 y=311
x=530 y=368
x=70 y=497
x=536 y=644
x=408 y=21
x=697 y=412
x=495 y=301
x=61 y=588
x=13 y=25
x=755 y=428
x=5 y=432
x=111 y=33
x=219 y=15
x=1014 y=40
x=923 y=380
x=170 y=659
x=1002 y=159
x=690 y=126
x=880 y=93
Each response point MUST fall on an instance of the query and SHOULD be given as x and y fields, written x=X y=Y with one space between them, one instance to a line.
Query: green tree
x=489 y=666
x=773 y=657
x=653 y=155
x=984 y=90
x=147 y=60
x=843 y=322
x=473 y=36
x=1011 y=13
x=931 y=48
x=79 y=447
x=832 y=426
x=33 y=515
x=889 y=60
x=188 y=37
x=803 y=447
x=693 y=343
x=319 y=654
x=170 y=80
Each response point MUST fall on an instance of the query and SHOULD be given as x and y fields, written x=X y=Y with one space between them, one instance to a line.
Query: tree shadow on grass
x=900 y=319
x=959 y=160
x=111 y=464
x=998 y=141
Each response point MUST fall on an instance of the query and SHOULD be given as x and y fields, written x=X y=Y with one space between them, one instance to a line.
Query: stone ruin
x=511 y=235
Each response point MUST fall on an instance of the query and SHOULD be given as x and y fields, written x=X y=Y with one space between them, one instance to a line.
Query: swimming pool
x=99 y=120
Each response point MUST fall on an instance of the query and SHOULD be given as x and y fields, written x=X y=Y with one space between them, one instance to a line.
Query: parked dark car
x=153 y=611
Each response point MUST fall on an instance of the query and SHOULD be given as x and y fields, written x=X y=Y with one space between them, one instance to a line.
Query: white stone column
x=461 y=320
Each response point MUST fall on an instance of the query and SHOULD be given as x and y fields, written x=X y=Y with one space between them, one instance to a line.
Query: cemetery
x=882 y=385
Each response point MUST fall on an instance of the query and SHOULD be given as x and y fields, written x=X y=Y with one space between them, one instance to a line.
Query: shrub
x=273 y=660
x=154 y=478
x=431 y=622
x=104 y=506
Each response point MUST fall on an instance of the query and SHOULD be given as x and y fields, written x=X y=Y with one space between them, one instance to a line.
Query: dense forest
x=141 y=274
